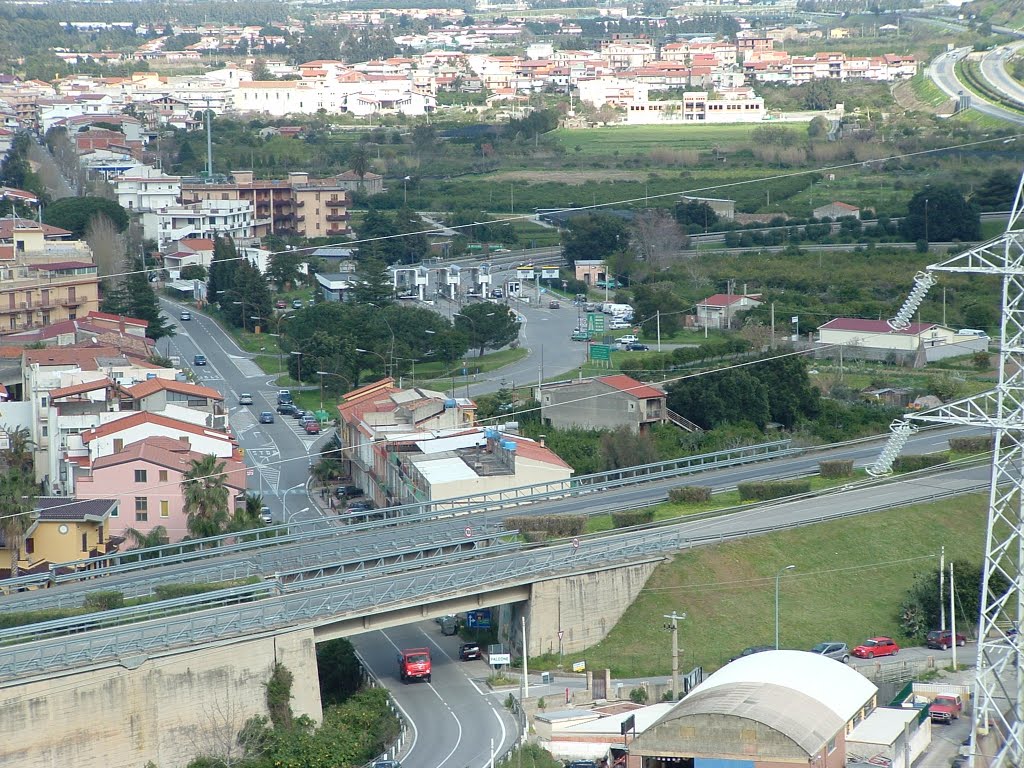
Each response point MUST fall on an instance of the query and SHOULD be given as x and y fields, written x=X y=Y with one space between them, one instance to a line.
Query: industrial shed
x=766 y=710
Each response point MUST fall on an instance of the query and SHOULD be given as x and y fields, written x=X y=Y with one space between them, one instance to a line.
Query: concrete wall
x=589 y=405
x=585 y=606
x=167 y=709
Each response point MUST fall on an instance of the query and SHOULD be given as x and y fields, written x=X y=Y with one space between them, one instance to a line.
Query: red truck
x=414 y=664
x=945 y=708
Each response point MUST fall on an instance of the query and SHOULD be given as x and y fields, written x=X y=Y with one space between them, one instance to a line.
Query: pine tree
x=222 y=269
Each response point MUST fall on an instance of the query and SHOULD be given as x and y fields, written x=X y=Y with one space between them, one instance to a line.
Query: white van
x=971 y=332
x=618 y=325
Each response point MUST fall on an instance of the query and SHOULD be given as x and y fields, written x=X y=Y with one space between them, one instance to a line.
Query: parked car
x=287 y=409
x=580 y=336
x=245 y=399
x=312 y=427
x=360 y=506
x=629 y=338
x=297 y=304
x=945 y=708
x=833 y=650
x=636 y=346
x=876 y=646
x=347 y=491
x=387 y=764
x=943 y=639
x=199 y=360
x=553 y=305
x=618 y=325
x=185 y=315
x=469 y=651
x=582 y=764
x=279 y=304
x=266 y=417
x=752 y=650
x=266 y=516
x=305 y=416
x=283 y=396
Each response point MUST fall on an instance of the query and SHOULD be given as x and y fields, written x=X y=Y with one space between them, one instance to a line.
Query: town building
x=43 y=280
x=145 y=188
x=733 y=105
x=205 y=219
x=605 y=402
x=721 y=309
x=836 y=210
x=146 y=477
x=915 y=345
x=62 y=530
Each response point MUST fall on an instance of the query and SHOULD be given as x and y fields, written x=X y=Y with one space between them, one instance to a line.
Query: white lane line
x=408 y=719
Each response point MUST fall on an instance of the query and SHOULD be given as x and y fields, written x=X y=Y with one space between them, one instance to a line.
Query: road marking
x=408 y=719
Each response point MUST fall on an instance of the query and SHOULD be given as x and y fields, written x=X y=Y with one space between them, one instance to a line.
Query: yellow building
x=44 y=281
x=63 y=530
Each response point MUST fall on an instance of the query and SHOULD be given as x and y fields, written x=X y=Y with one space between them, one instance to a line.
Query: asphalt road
x=454 y=719
x=280 y=453
x=941 y=71
x=993 y=68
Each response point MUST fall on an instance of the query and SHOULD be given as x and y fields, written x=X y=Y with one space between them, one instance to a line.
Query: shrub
x=548 y=526
x=836 y=468
x=638 y=695
x=971 y=444
x=772 y=489
x=688 y=494
x=107 y=600
x=171 y=591
x=626 y=518
x=919 y=461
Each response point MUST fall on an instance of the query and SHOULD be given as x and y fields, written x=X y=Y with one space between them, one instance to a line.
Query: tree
x=921 y=609
x=656 y=237
x=424 y=137
x=205 y=491
x=487 y=326
x=695 y=214
x=222 y=268
x=940 y=214
x=154 y=537
x=74 y=213
x=821 y=93
x=194 y=272
x=650 y=299
x=996 y=193
x=373 y=283
x=17 y=499
x=818 y=128
x=723 y=397
x=594 y=236
x=283 y=269
x=359 y=160
x=133 y=296
x=248 y=516
x=626 y=448
x=107 y=245
x=249 y=300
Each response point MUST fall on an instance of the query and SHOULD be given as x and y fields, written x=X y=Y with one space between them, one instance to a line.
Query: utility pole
x=674 y=629
x=526 y=653
x=658 y=315
x=952 y=616
x=942 y=583
x=773 y=326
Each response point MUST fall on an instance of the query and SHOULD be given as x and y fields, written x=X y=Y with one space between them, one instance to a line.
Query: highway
x=942 y=71
x=993 y=69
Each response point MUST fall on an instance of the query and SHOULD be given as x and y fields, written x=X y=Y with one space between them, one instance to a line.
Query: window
x=165 y=508
x=85 y=542
x=141 y=509
x=42 y=401
x=832 y=745
x=118 y=445
x=163 y=475
x=140 y=475
x=30 y=545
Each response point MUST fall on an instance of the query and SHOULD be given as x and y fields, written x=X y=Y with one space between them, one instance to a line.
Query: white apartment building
x=738 y=105
x=145 y=188
x=205 y=219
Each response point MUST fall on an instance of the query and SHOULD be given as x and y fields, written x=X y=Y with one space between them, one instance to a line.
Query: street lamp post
x=778 y=576
x=470 y=319
x=299 y=372
x=674 y=629
x=321 y=374
x=391 y=349
x=378 y=354
x=242 y=305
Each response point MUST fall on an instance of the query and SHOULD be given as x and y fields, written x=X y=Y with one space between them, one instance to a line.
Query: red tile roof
x=197 y=243
x=149 y=386
x=874 y=326
x=631 y=386
x=116 y=318
x=80 y=389
x=529 y=449
x=725 y=299
x=147 y=417
x=7 y=228
x=171 y=454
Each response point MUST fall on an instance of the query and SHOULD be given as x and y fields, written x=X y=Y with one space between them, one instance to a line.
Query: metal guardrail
x=198 y=549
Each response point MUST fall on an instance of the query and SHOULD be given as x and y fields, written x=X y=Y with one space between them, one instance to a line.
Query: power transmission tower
x=998 y=718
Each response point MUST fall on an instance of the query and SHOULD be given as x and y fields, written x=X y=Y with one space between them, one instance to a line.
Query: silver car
x=837 y=651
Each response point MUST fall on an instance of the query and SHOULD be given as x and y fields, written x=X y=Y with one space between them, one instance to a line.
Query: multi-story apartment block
x=145 y=188
x=43 y=281
x=205 y=219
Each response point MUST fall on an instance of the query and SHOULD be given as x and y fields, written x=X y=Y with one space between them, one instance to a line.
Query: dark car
x=347 y=491
x=637 y=347
x=360 y=506
x=469 y=651
x=199 y=360
x=752 y=650
x=283 y=396
x=943 y=639
x=266 y=417
x=582 y=764
x=287 y=409
x=387 y=764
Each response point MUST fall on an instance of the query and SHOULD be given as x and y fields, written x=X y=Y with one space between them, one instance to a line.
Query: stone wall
x=166 y=709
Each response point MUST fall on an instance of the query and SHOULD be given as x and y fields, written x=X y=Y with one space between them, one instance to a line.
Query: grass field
x=630 y=139
x=927 y=91
x=850 y=578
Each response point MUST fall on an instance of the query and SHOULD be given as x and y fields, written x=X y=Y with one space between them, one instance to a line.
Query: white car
x=618 y=325
x=245 y=399
x=628 y=339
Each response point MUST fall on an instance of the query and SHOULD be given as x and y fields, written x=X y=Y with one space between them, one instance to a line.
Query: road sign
x=250 y=472
x=469 y=531
x=575 y=543
x=480 y=619
x=595 y=322
x=560 y=633
x=579 y=666
x=497 y=659
x=600 y=352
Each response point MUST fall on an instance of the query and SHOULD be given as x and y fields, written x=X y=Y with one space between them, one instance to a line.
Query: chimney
x=120 y=323
x=541 y=439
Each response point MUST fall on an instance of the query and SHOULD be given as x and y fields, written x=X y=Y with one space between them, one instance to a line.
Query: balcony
x=337 y=203
x=71 y=301
x=300 y=204
x=300 y=219
x=336 y=232
x=337 y=217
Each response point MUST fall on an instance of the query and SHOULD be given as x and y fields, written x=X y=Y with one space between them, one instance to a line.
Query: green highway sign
x=595 y=322
x=600 y=352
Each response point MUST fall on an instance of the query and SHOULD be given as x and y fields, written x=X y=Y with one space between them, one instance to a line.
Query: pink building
x=145 y=478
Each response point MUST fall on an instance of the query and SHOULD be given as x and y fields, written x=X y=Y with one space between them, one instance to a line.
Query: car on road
x=582 y=764
x=629 y=338
x=834 y=650
x=580 y=336
x=266 y=516
x=185 y=315
x=943 y=639
x=287 y=409
x=618 y=325
x=636 y=346
x=553 y=305
x=245 y=399
x=199 y=360
x=312 y=427
x=752 y=650
x=284 y=396
x=280 y=304
x=297 y=304
x=497 y=293
x=387 y=764
x=876 y=646
x=266 y=417
x=469 y=651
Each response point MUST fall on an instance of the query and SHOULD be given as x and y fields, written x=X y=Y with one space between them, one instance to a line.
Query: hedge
x=106 y=600
x=171 y=591
x=627 y=518
x=772 y=489
x=919 y=461
x=971 y=444
x=552 y=526
x=836 y=468
x=688 y=494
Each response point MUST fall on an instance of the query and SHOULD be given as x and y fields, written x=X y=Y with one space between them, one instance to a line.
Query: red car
x=280 y=305
x=876 y=646
x=312 y=428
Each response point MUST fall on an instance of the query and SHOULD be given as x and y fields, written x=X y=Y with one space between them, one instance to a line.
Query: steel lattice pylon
x=998 y=719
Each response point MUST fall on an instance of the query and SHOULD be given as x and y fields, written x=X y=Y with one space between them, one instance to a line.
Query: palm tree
x=248 y=517
x=206 y=497
x=17 y=499
x=18 y=454
x=152 y=538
